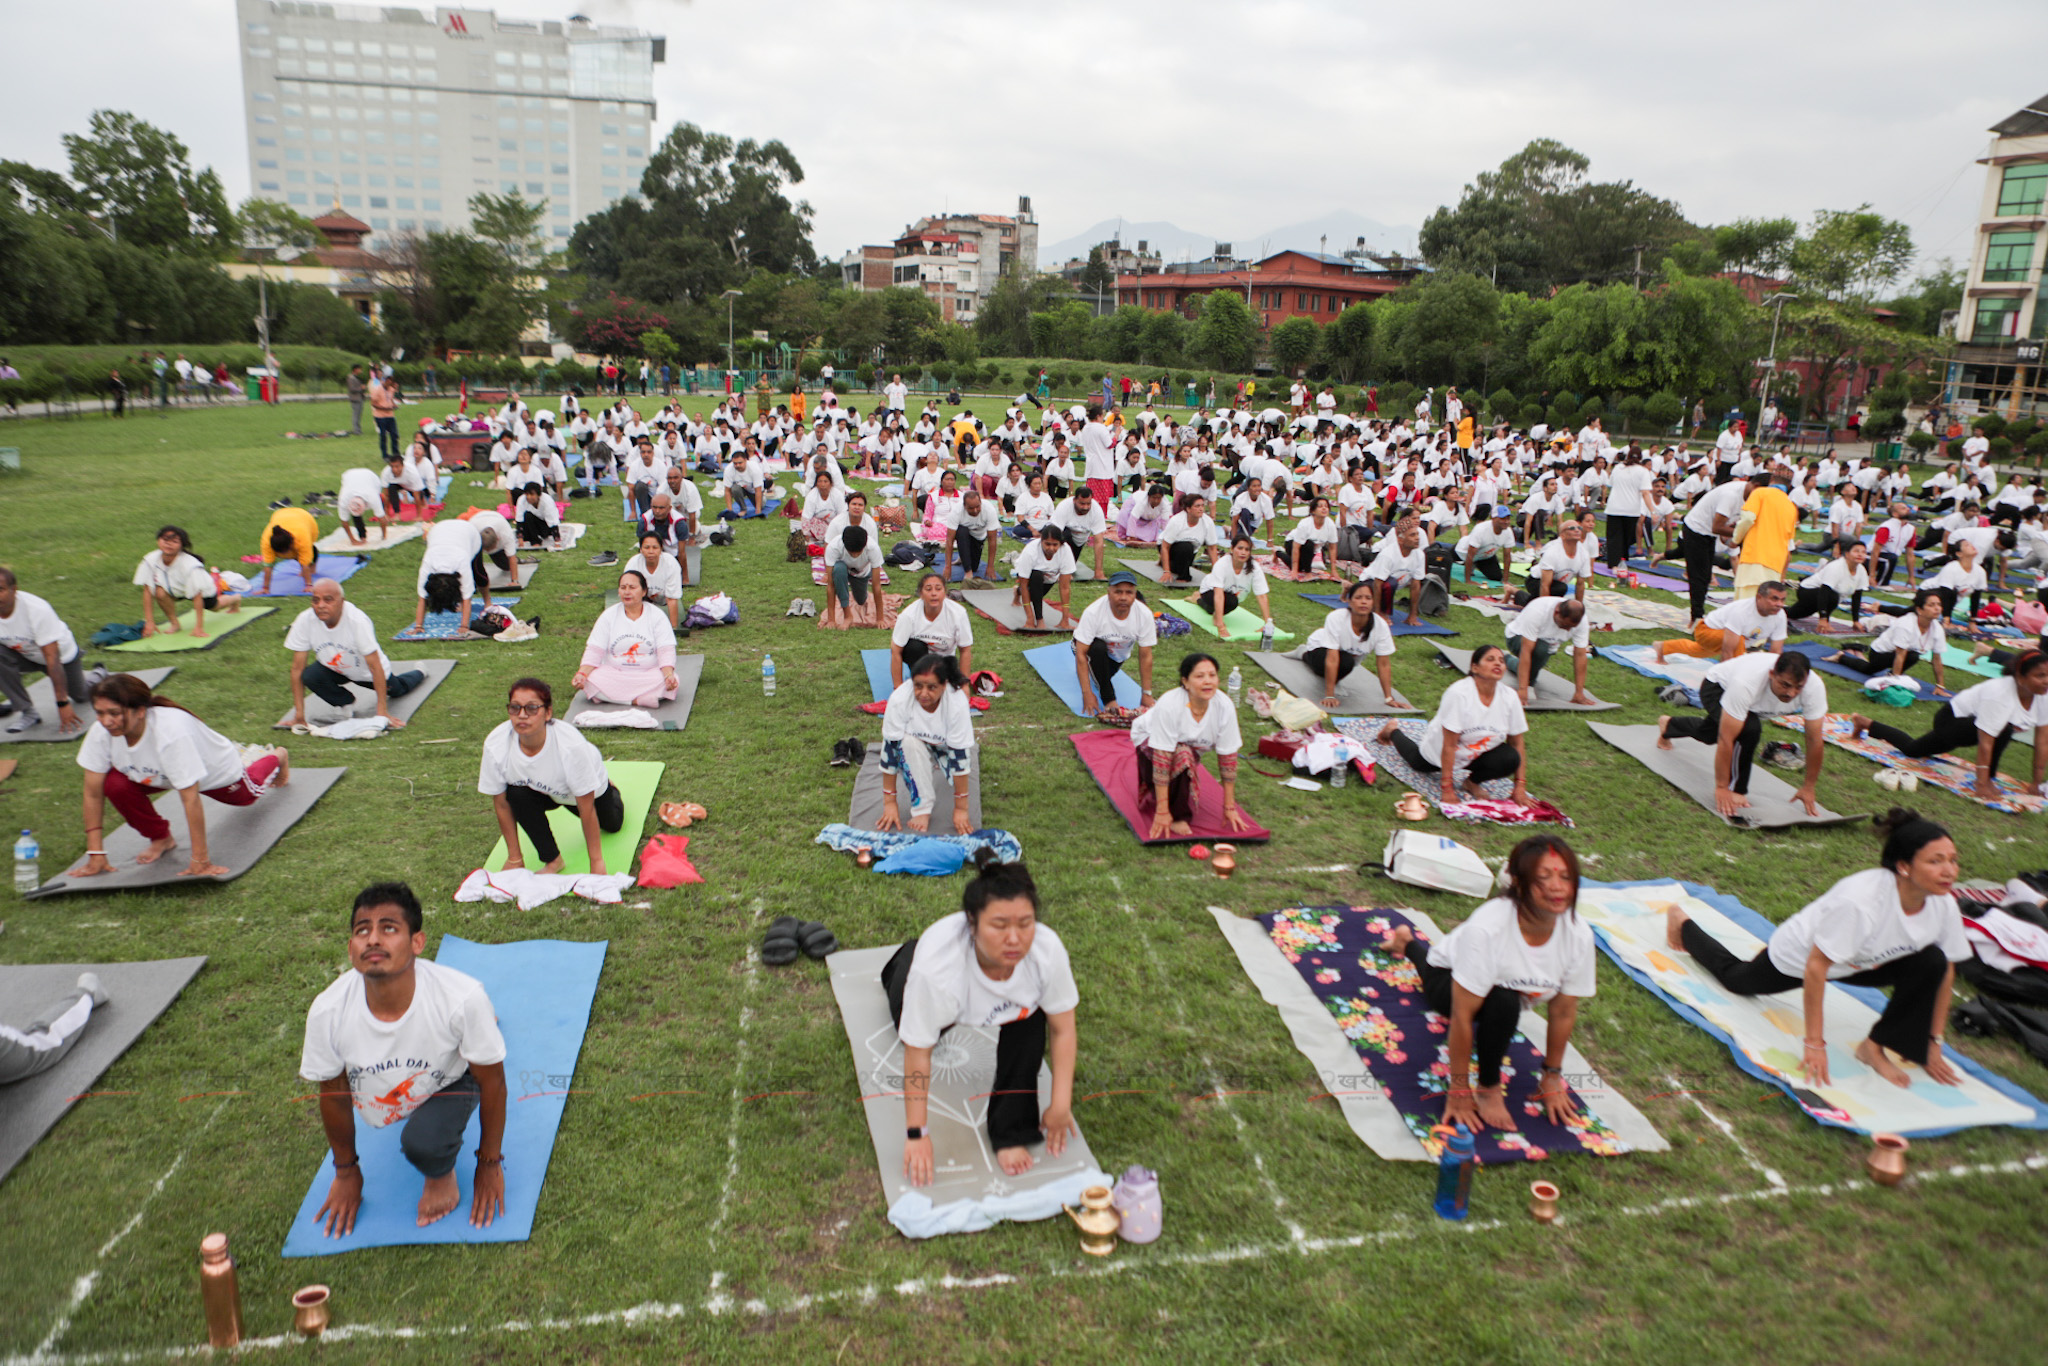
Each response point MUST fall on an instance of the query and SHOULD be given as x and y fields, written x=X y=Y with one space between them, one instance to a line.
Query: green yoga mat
x=637 y=779
x=1954 y=658
x=218 y=624
x=1242 y=623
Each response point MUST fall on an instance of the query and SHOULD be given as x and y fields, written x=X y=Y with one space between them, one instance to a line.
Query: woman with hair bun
x=1896 y=925
x=989 y=965
x=1983 y=718
x=144 y=744
x=1528 y=945
x=928 y=721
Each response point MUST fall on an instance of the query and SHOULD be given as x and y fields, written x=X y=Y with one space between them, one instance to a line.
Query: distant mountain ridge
x=1335 y=231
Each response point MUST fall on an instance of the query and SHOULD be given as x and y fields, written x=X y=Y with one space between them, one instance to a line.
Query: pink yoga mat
x=1113 y=763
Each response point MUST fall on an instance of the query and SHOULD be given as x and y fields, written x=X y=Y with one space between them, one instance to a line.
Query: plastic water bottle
x=1454 y=1176
x=1266 y=637
x=27 y=877
x=767 y=675
x=1234 y=685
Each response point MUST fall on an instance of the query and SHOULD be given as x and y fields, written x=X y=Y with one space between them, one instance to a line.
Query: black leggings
x=1037 y=586
x=1318 y=659
x=1706 y=728
x=1499 y=762
x=534 y=528
x=1493 y=1029
x=1621 y=538
x=1229 y=601
x=1948 y=734
x=1699 y=570
x=1300 y=556
x=967 y=550
x=1877 y=661
x=1020 y=1053
x=1103 y=669
x=530 y=811
x=1180 y=559
x=1821 y=601
x=1915 y=979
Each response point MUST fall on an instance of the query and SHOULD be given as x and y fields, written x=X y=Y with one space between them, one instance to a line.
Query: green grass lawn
x=738 y=1215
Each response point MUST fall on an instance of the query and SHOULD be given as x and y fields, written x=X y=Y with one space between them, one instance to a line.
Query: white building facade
x=401 y=114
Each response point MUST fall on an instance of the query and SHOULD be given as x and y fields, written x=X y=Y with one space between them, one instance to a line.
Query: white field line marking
x=82 y=1287
x=1728 y=1131
x=739 y=1073
x=868 y=1295
x=1273 y=1192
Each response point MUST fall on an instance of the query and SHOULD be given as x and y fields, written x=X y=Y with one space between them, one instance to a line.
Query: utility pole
x=1639 y=249
x=1777 y=306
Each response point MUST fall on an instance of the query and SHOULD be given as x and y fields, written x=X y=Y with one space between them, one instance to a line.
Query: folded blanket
x=631 y=718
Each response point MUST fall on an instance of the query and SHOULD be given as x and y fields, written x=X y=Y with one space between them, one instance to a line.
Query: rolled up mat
x=1765 y=1034
x=865 y=808
x=288 y=580
x=218 y=624
x=236 y=836
x=1113 y=764
x=995 y=604
x=876 y=664
x=1397 y=619
x=1689 y=766
x=1548 y=690
x=969 y=1192
x=320 y=713
x=542 y=989
x=1055 y=664
x=136 y=994
x=43 y=699
x=674 y=714
x=636 y=779
x=1240 y=621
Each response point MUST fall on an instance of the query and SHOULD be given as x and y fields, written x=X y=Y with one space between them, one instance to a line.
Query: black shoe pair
x=788 y=936
x=848 y=753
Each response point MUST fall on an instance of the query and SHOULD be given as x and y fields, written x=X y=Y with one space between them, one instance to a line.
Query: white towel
x=531 y=889
x=632 y=718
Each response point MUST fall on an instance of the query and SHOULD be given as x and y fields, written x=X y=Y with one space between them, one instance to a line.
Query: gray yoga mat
x=1358 y=693
x=319 y=713
x=1366 y=1108
x=136 y=994
x=43 y=698
x=1689 y=766
x=236 y=836
x=1149 y=569
x=866 y=807
x=1548 y=690
x=963 y=1067
x=995 y=604
x=673 y=714
x=525 y=569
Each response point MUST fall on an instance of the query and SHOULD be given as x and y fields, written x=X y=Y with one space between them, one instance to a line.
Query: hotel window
x=2009 y=257
x=378 y=201
x=1997 y=318
x=2023 y=189
x=296 y=197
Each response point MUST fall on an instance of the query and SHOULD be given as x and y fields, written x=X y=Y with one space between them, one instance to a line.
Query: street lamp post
x=1771 y=365
x=730 y=367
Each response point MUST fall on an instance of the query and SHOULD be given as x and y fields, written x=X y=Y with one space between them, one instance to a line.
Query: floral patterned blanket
x=1377 y=1001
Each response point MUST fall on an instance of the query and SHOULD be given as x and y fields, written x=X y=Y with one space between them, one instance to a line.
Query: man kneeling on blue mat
x=400 y=1037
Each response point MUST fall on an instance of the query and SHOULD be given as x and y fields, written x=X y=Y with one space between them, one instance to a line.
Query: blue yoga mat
x=289 y=578
x=542 y=989
x=1870 y=996
x=876 y=662
x=1817 y=651
x=728 y=516
x=1055 y=664
x=1401 y=628
x=989 y=570
x=442 y=625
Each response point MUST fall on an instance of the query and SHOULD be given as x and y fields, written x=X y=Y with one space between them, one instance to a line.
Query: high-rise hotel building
x=400 y=114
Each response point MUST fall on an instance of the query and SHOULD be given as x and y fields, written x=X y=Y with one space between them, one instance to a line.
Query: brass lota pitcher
x=1097 y=1220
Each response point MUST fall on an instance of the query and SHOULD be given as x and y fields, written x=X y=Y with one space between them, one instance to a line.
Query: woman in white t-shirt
x=927 y=725
x=1626 y=507
x=1033 y=510
x=1477 y=735
x=663 y=573
x=629 y=658
x=823 y=502
x=935 y=625
x=1044 y=564
x=1188 y=532
x=1822 y=591
x=990 y=965
x=1170 y=738
x=1312 y=535
x=1959 y=576
x=1237 y=579
x=172 y=575
x=531 y=766
x=1904 y=642
x=1983 y=719
x=1896 y=925
x=1348 y=634
x=1528 y=946
x=144 y=744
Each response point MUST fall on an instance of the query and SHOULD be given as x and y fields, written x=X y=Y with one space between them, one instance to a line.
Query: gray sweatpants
x=48 y=1037
x=13 y=664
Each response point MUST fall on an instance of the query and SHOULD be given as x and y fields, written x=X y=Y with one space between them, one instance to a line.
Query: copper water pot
x=1097 y=1220
x=219 y=1292
x=310 y=1311
x=1224 y=860
x=1887 y=1159
x=1542 y=1202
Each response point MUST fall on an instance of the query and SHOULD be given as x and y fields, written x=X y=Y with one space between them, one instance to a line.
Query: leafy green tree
x=55 y=290
x=1002 y=325
x=1294 y=343
x=139 y=181
x=1938 y=291
x=1096 y=277
x=510 y=226
x=1348 y=342
x=274 y=231
x=1226 y=335
x=862 y=322
x=907 y=312
x=1757 y=246
x=1164 y=338
x=1662 y=410
x=1449 y=319
x=1851 y=253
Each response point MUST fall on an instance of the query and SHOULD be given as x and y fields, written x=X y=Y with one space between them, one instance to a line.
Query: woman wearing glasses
x=531 y=766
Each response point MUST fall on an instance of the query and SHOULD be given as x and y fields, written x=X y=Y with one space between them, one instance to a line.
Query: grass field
x=741 y=1218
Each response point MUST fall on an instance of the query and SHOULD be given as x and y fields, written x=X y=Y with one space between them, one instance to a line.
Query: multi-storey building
x=400 y=114
x=956 y=258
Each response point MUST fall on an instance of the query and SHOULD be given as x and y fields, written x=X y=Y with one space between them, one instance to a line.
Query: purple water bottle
x=1454 y=1175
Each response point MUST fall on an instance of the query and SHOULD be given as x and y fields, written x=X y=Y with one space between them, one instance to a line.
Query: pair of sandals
x=682 y=815
x=788 y=936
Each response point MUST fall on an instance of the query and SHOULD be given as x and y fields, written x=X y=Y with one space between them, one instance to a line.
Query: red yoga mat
x=1113 y=763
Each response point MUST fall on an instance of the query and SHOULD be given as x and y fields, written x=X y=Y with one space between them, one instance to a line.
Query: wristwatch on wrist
x=916 y=1131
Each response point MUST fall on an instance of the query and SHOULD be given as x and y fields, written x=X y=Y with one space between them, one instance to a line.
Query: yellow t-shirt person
x=304 y=531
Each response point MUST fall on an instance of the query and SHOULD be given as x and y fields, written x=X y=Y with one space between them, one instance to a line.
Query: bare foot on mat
x=1674 y=920
x=440 y=1196
x=1873 y=1056
x=1014 y=1161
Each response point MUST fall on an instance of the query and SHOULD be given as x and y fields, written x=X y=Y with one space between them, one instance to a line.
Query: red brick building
x=1287 y=284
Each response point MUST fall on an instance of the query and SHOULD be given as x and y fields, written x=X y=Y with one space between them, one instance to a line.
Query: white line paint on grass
x=739 y=1075
x=1728 y=1130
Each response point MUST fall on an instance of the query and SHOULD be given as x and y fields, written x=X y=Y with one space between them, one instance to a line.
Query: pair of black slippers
x=788 y=937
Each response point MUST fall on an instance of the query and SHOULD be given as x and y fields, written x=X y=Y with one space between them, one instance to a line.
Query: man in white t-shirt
x=1737 y=694
x=1540 y=628
x=34 y=637
x=1756 y=623
x=896 y=393
x=1112 y=627
x=334 y=645
x=399 y=1038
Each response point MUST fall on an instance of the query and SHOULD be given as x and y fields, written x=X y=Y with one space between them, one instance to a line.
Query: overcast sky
x=1222 y=118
